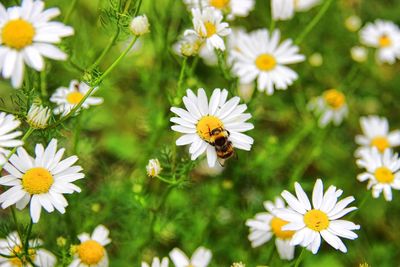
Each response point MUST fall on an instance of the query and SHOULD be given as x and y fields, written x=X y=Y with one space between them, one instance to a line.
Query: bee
x=223 y=147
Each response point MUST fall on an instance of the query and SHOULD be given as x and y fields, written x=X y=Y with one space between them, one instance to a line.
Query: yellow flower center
x=316 y=220
x=17 y=33
x=220 y=4
x=384 y=41
x=91 y=252
x=206 y=125
x=384 y=175
x=334 y=98
x=265 y=62
x=21 y=260
x=276 y=225
x=74 y=98
x=381 y=143
x=210 y=29
x=37 y=181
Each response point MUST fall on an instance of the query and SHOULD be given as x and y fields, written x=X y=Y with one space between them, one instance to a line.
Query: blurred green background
x=114 y=141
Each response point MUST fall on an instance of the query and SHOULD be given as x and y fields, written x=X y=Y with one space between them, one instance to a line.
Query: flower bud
x=153 y=168
x=140 y=25
x=38 y=116
x=359 y=54
x=353 y=23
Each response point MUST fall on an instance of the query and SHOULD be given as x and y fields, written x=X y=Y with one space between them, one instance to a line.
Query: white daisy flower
x=385 y=36
x=200 y=258
x=232 y=8
x=202 y=117
x=153 y=168
x=157 y=263
x=382 y=171
x=330 y=107
x=38 y=116
x=265 y=225
x=42 y=180
x=376 y=134
x=259 y=56
x=285 y=9
x=8 y=124
x=91 y=251
x=209 y=27
x=68 y=98
x=28 y=35
x=320 y=219
x=12 y=246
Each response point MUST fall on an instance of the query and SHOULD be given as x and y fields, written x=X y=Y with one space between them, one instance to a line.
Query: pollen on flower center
x=206 y=124
x=334 y=98
x=74 y=97
x=265 y=62
x=381 y=143
x=276 y=226
x=384 y=175
x=17 y=33
x=90 y=252
x=384 y=41
x=37 y=181
x=210 y=29
x=18 y=261
x=220 y=4
x=316 y=220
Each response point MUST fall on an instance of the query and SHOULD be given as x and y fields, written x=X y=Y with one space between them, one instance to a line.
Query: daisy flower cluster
x=376 y=156
x=40 y=180
x=303 y=222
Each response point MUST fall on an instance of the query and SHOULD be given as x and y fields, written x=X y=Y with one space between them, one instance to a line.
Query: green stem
x=28 y=235
x=117 y=61
x=93 y=87
x=271 y=255
x=194 y=65
x=137 y=8
x=76 y=135
x=70 y=10
x=112 y=40
x=156 y=210
x=315 y=151
x=181 y=76
x=313 y=22
x=300 y=258
x=165 y=180
x=43 y=84
x=105 y=51
x=14 y=216
x=272 y=25
x=222 y=65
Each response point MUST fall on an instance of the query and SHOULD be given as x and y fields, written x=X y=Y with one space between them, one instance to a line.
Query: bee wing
x=221 y=161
